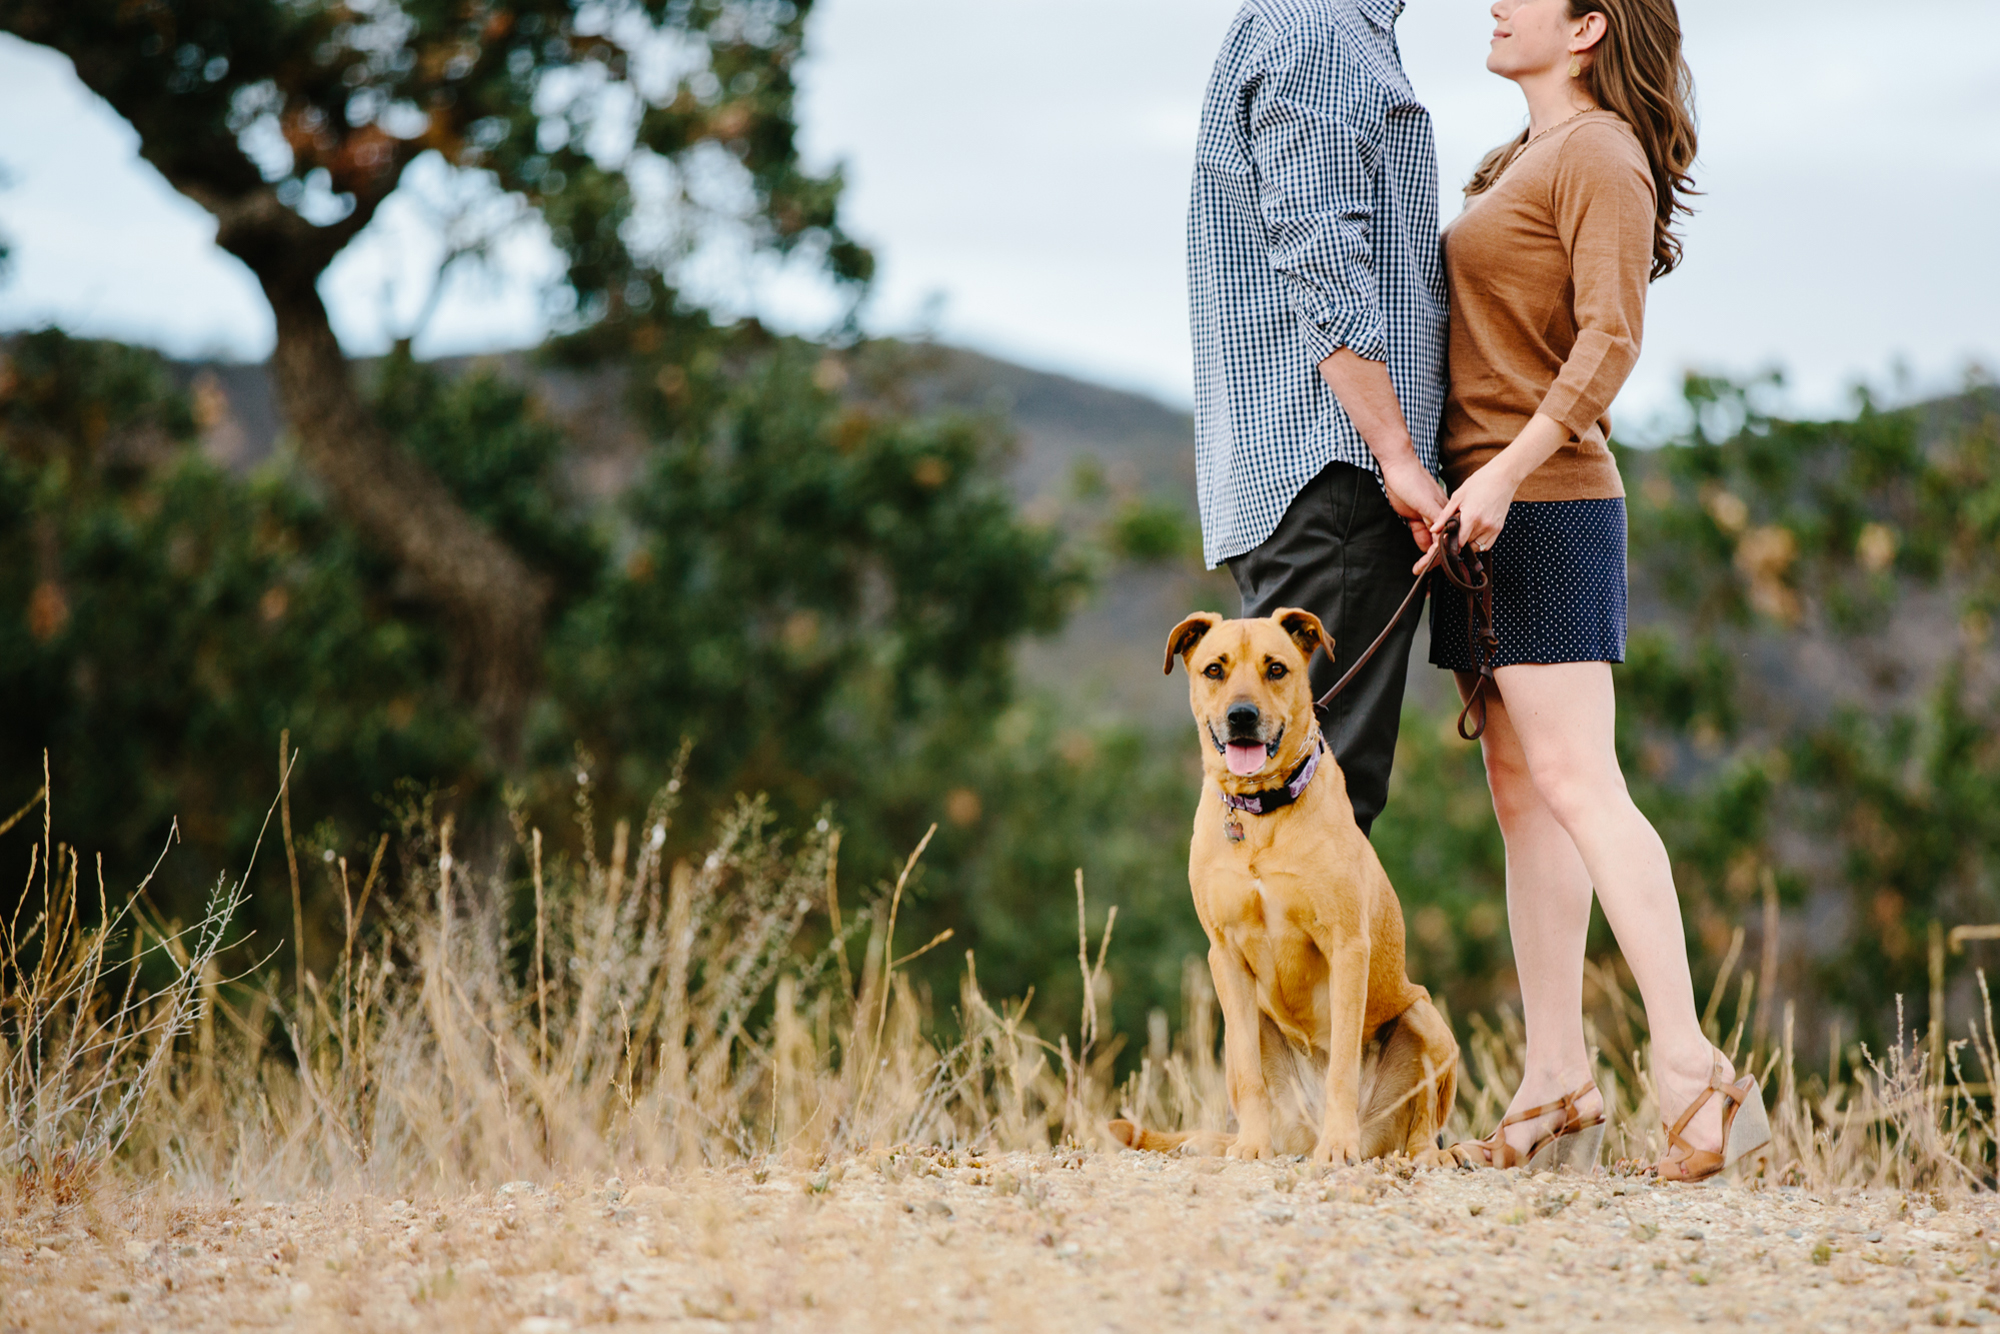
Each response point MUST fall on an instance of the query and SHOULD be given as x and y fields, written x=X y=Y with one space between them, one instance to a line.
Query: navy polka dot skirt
x=1558 y=588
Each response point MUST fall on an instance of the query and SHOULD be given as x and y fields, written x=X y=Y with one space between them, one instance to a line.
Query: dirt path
x=1053 y=1241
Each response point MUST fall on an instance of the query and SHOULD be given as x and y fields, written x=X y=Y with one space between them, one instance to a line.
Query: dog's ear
x=1187 y=634
x=1305 y=630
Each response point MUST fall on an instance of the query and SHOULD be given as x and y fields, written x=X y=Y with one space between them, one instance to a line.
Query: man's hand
x=1415 y=496
x=1369 y=399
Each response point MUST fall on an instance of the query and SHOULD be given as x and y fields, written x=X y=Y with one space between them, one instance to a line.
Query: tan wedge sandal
x=1573 y=1144
x=1746 y=1131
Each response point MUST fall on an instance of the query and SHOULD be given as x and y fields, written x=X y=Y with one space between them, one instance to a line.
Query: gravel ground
x=1066 y=1240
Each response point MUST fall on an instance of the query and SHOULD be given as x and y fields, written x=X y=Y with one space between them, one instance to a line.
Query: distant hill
x=1108 y=657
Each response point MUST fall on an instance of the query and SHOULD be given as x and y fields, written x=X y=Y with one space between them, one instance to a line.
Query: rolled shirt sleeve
x=1315 y=191
x=1602 y=201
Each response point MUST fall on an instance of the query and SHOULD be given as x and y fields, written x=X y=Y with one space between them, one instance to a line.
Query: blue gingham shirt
x=1313 y=227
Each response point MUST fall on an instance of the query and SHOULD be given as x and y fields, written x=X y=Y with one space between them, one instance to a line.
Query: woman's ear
x=1590 y=31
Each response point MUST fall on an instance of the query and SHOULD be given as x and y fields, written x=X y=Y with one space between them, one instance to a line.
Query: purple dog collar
x=1277 y=798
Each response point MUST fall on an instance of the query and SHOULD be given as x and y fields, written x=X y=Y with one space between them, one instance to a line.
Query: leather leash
x=1471 y=572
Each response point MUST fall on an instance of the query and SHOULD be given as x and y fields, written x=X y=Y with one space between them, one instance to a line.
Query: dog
x=1328 y=1047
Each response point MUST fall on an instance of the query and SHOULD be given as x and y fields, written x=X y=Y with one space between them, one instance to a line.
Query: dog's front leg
x=1242 y=1053
x=1347 y=1004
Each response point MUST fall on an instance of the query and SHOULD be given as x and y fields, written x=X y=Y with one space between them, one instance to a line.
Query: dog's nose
x=1243 y=719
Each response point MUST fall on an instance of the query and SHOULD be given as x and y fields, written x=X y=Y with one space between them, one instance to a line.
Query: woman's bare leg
x=1562 y=717
x=1548 y=915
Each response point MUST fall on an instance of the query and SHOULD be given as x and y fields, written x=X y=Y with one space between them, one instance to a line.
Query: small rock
x=1691 y=1234
x=1871 y=1236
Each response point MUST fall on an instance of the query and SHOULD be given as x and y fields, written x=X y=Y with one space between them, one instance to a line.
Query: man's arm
x=1369 y=399
x=1315 y=194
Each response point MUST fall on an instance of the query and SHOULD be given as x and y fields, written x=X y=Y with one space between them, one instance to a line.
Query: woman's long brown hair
x=1637 y=71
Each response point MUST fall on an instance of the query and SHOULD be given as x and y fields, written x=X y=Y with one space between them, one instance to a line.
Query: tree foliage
x=1837 y=700
x=818 y=593
x=638 y=132
x=316 y=108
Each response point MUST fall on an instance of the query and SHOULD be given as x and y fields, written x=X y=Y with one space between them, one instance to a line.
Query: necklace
x=1559 y=124
x=1538 y=138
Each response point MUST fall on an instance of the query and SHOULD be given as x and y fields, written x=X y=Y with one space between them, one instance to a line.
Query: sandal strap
x=1566 y=1103
x=1501 y=1153
x=1730 y=1092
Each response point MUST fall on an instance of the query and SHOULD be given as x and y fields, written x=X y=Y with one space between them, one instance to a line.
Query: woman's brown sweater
x=1548 y=272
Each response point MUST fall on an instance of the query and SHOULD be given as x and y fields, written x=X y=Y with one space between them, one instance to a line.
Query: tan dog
x=1328 y=1046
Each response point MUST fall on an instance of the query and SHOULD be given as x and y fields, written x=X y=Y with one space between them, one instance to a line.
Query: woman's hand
x=1481 y=505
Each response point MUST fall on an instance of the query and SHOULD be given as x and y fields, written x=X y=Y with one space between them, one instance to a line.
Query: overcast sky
x=1021 y=169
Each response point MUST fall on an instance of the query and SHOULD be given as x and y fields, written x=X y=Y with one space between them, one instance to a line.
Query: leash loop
x=1472 y=573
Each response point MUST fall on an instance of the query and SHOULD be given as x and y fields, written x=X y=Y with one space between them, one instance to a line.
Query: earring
x=1576 y=67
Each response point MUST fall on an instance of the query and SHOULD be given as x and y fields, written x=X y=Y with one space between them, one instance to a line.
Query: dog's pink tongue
x=1245 y=760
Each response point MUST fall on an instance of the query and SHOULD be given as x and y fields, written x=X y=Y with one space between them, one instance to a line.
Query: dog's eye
x=1276 y=671
x=1214 y=671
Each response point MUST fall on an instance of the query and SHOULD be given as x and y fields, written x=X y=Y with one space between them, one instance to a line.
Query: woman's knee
x=1513 y=788
x=1576 y=794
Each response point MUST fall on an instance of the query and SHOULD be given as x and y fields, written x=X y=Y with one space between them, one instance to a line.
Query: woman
x=1548 y=267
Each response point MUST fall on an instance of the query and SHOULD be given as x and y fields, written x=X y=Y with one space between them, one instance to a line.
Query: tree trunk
x=493 y=604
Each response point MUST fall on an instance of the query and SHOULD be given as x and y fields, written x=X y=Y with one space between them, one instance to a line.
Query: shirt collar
x=1382 y=13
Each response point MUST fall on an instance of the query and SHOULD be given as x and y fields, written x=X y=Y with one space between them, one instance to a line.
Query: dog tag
x=1232 y=827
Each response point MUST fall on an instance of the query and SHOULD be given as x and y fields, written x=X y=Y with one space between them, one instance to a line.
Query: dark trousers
x=1342 y=554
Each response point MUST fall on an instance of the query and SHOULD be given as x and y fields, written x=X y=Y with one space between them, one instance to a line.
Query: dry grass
x=649 y=1022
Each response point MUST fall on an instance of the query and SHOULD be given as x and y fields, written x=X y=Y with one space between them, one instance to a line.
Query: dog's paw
x=1433 y=1157
x=1250 y=1150
x=1342 y=1152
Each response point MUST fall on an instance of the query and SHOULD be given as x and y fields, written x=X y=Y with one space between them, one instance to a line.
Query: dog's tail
x=1134 y=1136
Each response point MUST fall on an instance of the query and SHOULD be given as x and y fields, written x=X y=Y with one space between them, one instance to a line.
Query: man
x=1318 y=298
